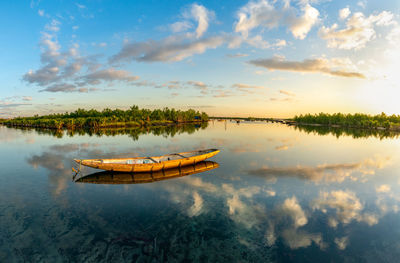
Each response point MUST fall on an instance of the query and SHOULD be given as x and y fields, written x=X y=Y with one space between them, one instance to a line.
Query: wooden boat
x=149 y=177
x=150 y=164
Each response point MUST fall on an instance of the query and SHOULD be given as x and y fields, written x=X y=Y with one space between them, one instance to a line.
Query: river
x=277 y=194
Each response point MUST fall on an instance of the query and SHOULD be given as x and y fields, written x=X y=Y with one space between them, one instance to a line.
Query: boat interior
x=158 y=159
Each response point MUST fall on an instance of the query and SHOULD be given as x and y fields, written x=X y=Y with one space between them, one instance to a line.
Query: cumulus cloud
x=348 y=207
x=52 y=60
x=358 y=32
x=384 y=188
x=295 y=238
x=269 y=15
x=344 y=13
x=175 y=47
x=333 y=67
x=254 y=14
x=239 y=211
x=202 y=16
x=197 y=206
x=293 y=209
x=194 y=13
x=300 y=26
x=68 y=71
x=342 y=242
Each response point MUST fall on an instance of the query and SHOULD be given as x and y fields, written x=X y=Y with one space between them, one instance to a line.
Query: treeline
x=107 y=118
x=357 y=120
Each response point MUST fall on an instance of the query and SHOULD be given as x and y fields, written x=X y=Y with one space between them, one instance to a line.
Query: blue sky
x=231 y=58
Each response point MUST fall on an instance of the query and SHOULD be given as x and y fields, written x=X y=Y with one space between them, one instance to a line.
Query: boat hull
x=123 y=165
x=107 y=177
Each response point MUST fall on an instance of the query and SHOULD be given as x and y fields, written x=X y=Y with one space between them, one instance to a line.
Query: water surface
x=279 y=194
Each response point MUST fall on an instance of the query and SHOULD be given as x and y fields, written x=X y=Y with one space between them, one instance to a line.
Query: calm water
x=280 y=194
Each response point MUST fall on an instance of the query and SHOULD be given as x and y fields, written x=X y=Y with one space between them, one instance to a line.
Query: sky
x=260 y=58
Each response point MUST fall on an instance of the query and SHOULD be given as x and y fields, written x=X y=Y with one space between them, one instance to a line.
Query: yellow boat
x=149 y=177
x=150 y=164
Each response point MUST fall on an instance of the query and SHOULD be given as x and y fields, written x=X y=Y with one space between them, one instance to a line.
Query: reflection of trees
x=353 y=132
x=134 y=133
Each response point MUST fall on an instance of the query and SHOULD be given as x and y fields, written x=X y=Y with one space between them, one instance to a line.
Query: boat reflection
x=140 y=178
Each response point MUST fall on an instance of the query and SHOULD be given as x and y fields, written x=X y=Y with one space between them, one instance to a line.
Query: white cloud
x=62 y=71
x=266 y=14
x=384 y=188
x=258 y=42
x=53 y=26
x=196 y=13
x=170 y=49
x=202 y=16
x=295 y=238
x=394 y=36
x=41 y=12
x=358 y=32
x=300 y=26
x=254 y=14
x=197 y=206
x=344 y=13
x=294 y=210
x=348 y=207
x=180 y=26
x=342 y=242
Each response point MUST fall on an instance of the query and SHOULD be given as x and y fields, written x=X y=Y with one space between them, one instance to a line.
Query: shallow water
x=280 y=194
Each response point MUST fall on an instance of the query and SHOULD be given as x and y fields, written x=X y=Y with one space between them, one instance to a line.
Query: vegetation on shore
x=357 y=120
x=107 y=118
